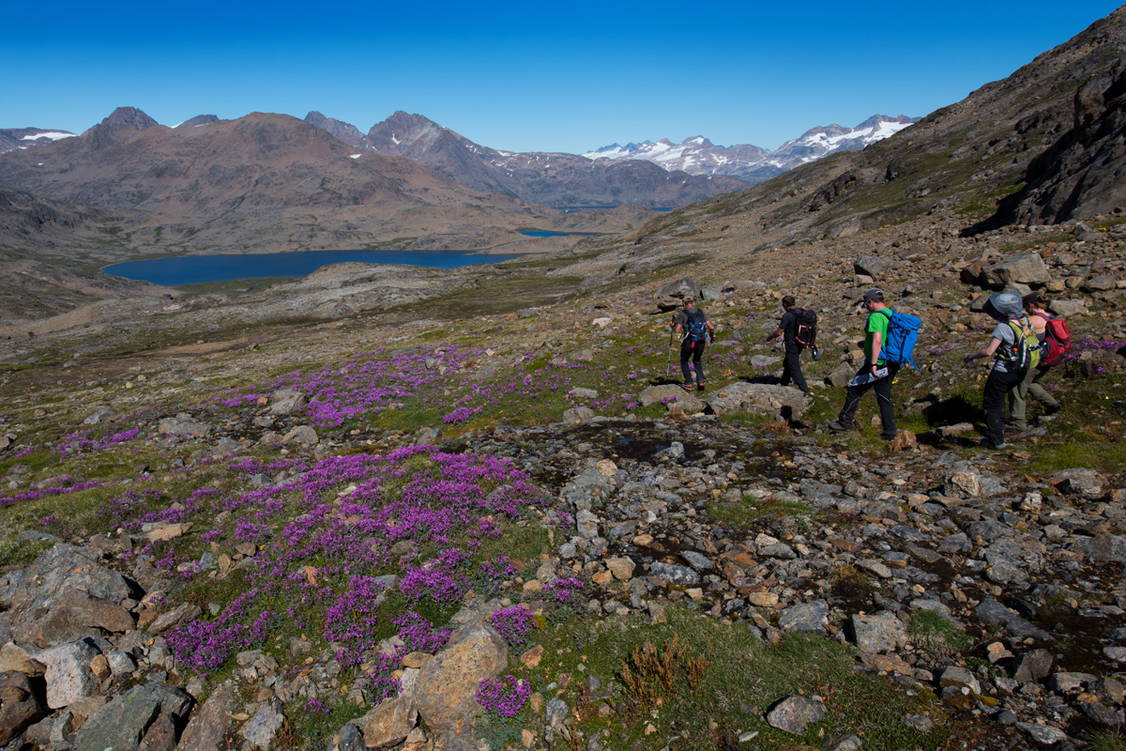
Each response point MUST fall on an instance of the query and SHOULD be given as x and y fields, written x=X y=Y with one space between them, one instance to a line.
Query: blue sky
x=567 y=76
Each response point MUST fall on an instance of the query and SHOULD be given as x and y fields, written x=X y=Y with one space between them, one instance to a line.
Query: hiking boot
x=989 y=444
x=700 y=385
x=836 y=427
x=689 y=387
x=1051 y=409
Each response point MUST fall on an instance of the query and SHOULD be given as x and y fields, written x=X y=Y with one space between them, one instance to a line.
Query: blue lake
x=554 y=233
x=173 y=271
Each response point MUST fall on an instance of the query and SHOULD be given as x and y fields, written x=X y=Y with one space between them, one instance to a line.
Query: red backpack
x=1057 y=339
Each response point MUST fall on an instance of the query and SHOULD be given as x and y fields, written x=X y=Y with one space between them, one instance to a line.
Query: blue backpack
x=697 y=329
x=903 y=331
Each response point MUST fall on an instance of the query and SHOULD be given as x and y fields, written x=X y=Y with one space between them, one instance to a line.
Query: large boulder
x=124 y=723
x=872 y=266
x=678 y=290
x=445 y=693
x=68 y=674
x=211 y=723
x=64 y=594
x=761 y=399
x=1027 y=268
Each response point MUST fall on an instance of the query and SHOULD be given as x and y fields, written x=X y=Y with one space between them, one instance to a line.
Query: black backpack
x=805 y=329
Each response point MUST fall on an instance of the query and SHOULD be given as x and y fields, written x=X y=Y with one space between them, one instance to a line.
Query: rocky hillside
x=489 y=517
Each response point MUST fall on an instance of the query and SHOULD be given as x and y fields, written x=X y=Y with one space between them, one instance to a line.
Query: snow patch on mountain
x=699 y=156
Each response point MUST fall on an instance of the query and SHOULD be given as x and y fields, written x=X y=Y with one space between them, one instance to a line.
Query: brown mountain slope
x=960 y=159
x=261 y=181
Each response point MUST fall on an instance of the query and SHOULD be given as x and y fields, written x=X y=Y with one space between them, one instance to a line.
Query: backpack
x=1057 y=340
x=903 y=332
x=1024 y=352
x=805 y=330
x=696 y=328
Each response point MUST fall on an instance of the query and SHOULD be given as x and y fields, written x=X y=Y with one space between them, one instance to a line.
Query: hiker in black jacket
x=694 y=328
x=788 y=330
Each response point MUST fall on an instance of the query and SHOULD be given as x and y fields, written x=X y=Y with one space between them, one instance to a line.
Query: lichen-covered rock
x=447 y=685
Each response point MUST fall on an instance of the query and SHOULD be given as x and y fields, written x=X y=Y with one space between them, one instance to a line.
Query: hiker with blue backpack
x=889 y=342
x=1015 y=348
x=694 y=328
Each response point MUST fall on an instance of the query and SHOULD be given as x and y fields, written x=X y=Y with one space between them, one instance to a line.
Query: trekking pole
x=668 y=364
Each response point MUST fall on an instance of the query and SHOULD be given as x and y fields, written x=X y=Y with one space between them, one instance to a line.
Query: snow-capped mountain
x=12 y=139
x=699 y=156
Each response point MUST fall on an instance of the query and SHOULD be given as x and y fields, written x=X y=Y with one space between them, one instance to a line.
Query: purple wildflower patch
x=505 y=696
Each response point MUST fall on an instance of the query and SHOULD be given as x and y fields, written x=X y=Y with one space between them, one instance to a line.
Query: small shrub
x=651 y=674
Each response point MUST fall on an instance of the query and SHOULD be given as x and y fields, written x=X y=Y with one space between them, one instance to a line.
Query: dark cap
x=875 y=293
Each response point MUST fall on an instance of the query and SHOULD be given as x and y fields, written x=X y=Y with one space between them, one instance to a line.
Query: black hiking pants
x=882 y=388
x=791 y=368
x=997 y=387
x=692 y=351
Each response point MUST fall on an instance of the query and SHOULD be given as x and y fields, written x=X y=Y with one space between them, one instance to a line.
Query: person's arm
x=990 y=348
x=877 y=345
x=777 y=333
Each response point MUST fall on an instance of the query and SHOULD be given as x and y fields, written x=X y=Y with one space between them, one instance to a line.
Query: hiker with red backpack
x=1015 y=349
x=694 y=328
x=1055 y=342
x=798 y=329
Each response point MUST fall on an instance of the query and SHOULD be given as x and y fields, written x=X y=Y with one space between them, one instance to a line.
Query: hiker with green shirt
x=1015 y=348
x=875 y=373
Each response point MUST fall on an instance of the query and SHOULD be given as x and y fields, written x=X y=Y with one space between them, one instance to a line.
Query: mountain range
x=699 y=156
x=611 y=176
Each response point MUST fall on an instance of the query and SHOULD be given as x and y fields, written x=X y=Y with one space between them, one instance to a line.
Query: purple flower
x=513 y=624
x=505 y=696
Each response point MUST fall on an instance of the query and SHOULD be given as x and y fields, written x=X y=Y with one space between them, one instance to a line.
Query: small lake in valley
x=173 y=271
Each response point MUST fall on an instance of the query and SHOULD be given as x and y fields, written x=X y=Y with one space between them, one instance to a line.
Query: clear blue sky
x=559 y=76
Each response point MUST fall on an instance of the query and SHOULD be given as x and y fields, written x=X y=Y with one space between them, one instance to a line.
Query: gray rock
x=1079 y=481
x=1027 y=268
x=1045 y=735
x=97 y=416
x=992 y=612
x=388 y=723
x=287 y=402
x=760 y=398
x=583 y=393
x=680 y=289
x=1068 y=308
x=183 y=424
x=586 y=524
x=961 y=678
x=302 y=435
x=1100 y=283
x=1071 y=681
x=807 y=616
x=261 y=728
x=681 y=576
x=1034 y=666
x=578 y=414
x=1105 y=548
x=348 y=738
x=210 y=724
x=123 y=722
x=698 y=561
x=795 y=713
x=68 y=672
x=847 y=743
x=870 y=265
x=882 y=632
x=555 y=718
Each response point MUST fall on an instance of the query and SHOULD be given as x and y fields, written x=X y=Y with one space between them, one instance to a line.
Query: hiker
x=788 y=329
x=875 y=373
x=1037 y=309
x=694 y=328
x=1015 y=349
